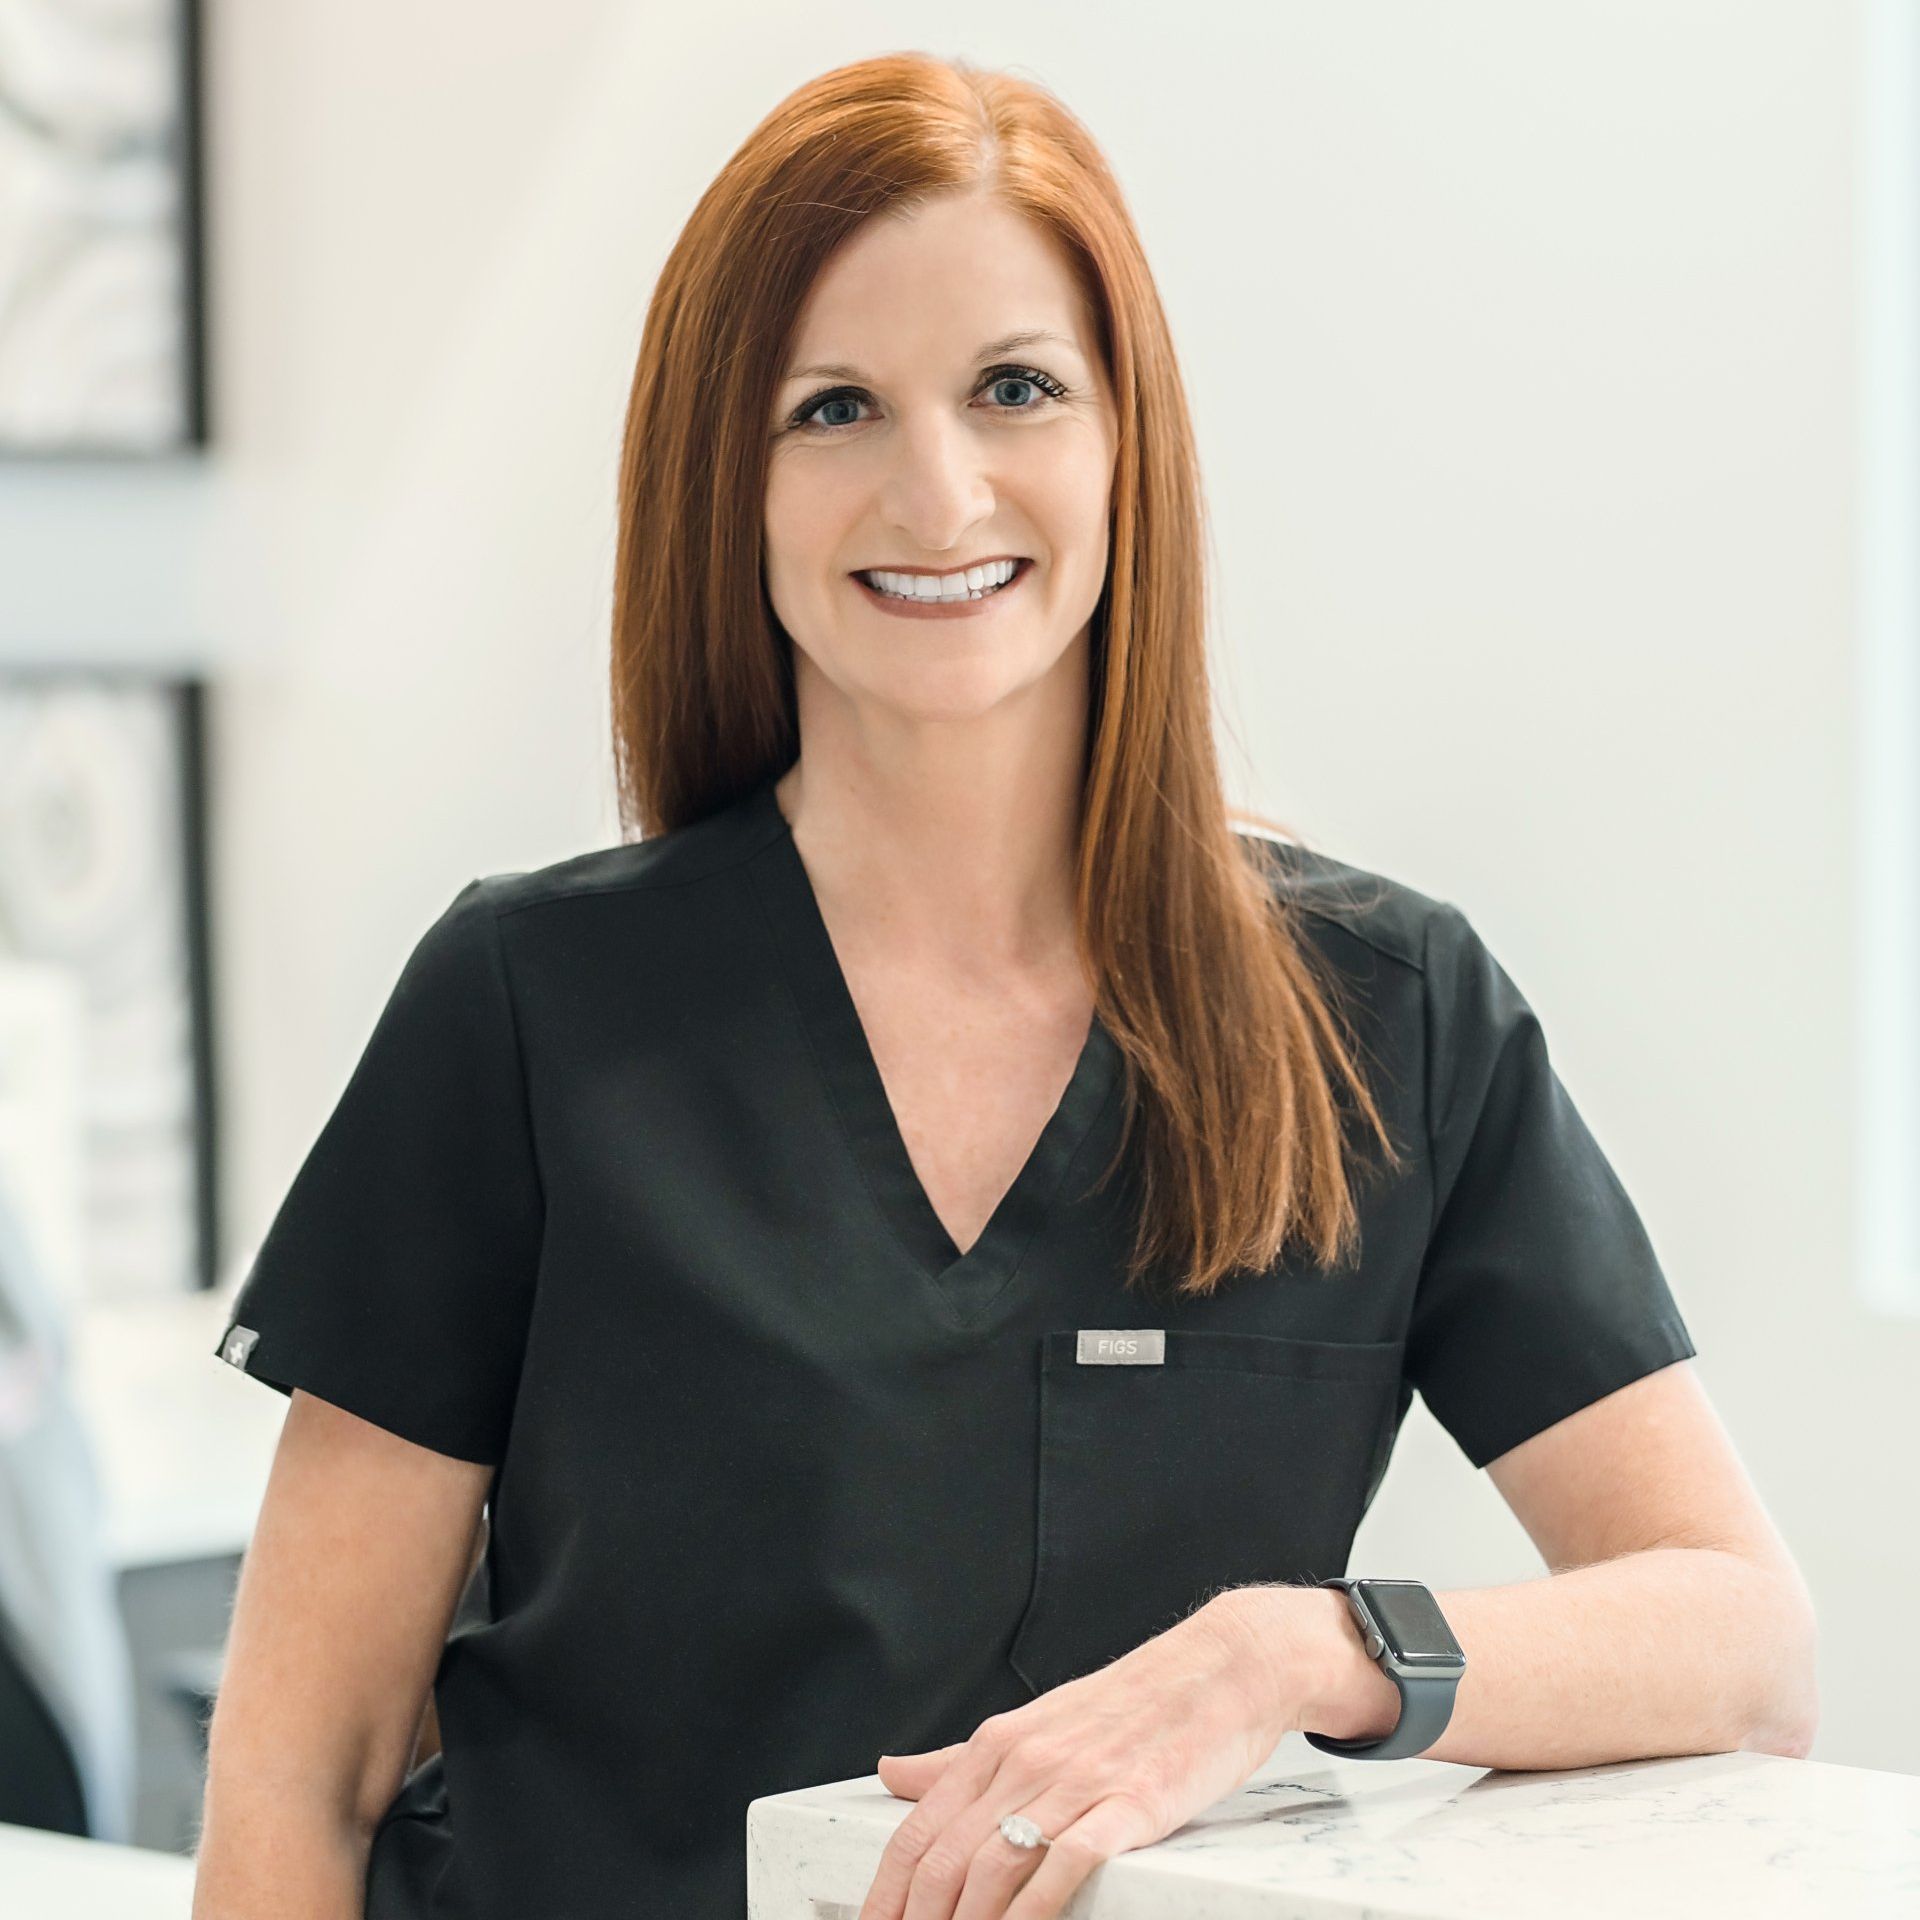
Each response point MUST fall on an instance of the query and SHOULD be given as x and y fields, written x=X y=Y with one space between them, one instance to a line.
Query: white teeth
x=973 y=583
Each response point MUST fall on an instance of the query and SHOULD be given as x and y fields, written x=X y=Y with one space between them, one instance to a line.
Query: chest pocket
x=1241 y=1457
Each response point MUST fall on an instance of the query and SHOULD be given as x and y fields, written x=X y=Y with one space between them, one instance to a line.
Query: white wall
x=1520 y=339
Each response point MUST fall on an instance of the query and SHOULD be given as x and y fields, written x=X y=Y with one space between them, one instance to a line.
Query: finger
x=973 y=1869
x=1116 y=1825
x=1000 y=1868
x=908 y=1775
x=966 y=1777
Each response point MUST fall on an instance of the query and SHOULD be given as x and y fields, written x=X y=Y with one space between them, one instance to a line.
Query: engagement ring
x=1022 y=1832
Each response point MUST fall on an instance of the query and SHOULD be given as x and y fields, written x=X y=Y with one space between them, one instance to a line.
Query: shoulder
x=1347 y=906
x=662 y=863
x=1351 y=906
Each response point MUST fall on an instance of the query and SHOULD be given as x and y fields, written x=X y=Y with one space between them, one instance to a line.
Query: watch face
x=1411 y=1623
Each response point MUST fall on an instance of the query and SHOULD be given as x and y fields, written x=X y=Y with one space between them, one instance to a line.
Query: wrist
x=1352 y=1698
x=1258 y=1624
x=1312 y=1669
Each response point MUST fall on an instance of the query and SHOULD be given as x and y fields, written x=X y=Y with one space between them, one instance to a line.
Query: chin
x=956 y=690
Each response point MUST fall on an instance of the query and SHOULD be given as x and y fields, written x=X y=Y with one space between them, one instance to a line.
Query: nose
x=937 y=484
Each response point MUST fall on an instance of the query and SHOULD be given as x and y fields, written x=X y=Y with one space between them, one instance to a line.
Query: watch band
x=1426 y=1705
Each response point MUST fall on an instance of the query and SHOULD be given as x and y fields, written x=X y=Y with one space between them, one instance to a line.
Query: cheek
x=803 y=521
x=1073 y=497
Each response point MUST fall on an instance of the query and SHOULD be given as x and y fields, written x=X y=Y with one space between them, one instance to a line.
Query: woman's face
x=931 y=442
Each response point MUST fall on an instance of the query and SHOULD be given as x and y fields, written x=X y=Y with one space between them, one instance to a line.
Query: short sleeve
x=396 y=1279
x=1539 y=1291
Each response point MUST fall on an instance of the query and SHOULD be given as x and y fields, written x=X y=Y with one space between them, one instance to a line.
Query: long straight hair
x=1237 y=1054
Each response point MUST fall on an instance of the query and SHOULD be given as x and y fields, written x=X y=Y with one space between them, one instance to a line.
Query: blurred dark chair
x=39 y=1780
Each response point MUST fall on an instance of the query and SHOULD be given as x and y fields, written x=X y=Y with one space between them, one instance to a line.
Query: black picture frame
x=70 y=389
x=104 y=840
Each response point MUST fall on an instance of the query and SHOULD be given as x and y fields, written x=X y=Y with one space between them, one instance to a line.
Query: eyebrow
x=1029 y=337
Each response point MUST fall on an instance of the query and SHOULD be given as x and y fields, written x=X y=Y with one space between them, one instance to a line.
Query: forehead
x=935 y=286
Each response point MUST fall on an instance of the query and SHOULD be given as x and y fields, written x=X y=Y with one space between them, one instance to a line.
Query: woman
x=926 y=1251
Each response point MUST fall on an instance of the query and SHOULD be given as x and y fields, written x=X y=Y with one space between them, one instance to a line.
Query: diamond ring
x=1022 y=1832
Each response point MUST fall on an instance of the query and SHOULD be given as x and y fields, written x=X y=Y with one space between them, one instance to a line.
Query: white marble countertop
x=1744 y=1834
x=54 y=1876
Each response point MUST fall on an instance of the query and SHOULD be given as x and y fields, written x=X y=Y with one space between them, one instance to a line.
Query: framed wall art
x=101 y=271
x=106 y=1056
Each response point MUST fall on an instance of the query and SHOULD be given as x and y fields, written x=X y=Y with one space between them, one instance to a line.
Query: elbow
x=1788 y=1732
x=1791 y=1739
x=1789 y=1715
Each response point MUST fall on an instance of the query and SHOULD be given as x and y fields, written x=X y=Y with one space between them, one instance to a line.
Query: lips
x=965 y=566
x=866 y=575
x=933 y=607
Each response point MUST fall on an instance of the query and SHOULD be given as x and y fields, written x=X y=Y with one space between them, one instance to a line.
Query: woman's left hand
x=1114 y=1760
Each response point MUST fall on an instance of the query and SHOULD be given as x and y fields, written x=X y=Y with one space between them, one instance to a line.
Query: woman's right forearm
x=260 y=1858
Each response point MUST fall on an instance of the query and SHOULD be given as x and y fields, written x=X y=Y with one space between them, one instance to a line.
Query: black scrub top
x=614 y=1203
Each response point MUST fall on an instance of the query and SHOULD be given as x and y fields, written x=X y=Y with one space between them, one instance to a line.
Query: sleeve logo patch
x=239 y=1343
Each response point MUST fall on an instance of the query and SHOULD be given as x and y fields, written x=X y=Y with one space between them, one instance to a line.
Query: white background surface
x=184 y=1442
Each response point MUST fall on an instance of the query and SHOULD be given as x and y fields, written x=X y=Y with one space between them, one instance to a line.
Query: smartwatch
x=1408 y=1638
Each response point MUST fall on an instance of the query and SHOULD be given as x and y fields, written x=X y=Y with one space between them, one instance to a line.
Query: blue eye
x=804 y=416
x=809 y=414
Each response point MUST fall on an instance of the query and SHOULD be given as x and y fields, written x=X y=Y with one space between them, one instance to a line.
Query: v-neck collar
x=968 y=1280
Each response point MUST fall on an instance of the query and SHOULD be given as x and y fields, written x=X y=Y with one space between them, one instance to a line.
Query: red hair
x=1237 y=1056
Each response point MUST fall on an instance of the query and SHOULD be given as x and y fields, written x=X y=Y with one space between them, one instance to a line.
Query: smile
x=951 y=604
